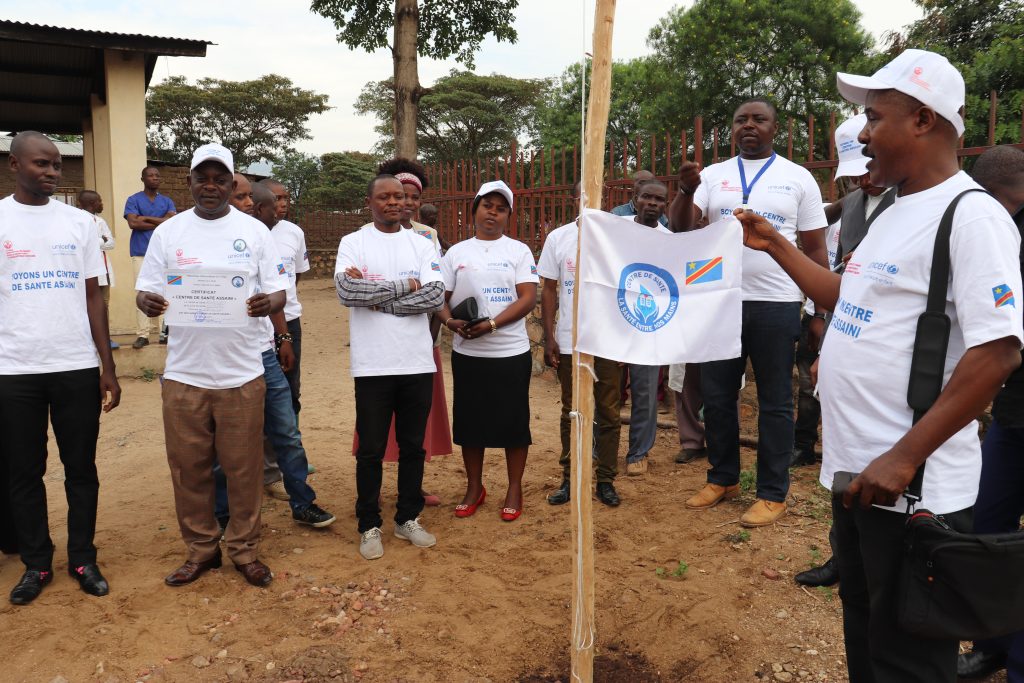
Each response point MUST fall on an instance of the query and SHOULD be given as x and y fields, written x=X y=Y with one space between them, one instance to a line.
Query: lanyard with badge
x=747 y=189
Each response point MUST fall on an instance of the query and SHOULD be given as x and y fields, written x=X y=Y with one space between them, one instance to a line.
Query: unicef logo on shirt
x=239 y=245
x=641 y=287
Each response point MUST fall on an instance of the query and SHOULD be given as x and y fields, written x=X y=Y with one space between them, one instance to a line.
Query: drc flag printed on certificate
x=206 y=298
x=652 y=298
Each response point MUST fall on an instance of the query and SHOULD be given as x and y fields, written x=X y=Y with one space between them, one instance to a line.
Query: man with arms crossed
x=53 y=342
x=213 y=390
x=144 y=211
x=390 y=279
x=914 y=107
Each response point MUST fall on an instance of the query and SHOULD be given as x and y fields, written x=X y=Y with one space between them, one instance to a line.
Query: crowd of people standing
x=231 y=395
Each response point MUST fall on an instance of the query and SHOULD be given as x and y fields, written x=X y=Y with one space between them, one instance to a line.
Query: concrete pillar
x=118 y=146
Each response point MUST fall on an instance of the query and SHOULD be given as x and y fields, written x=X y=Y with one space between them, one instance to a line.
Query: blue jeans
x=282 y=430
x=769 y=333
x=998 y=510
x=643 y=412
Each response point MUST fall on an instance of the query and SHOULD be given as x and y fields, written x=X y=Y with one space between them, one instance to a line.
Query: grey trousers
x=643 y=416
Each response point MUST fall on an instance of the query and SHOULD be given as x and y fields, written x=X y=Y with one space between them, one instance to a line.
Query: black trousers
x=293 y=375
x=71 y=400
x=870 y=545
x=408 y=399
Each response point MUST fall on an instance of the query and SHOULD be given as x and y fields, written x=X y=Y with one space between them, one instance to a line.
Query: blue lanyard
x=747 y=189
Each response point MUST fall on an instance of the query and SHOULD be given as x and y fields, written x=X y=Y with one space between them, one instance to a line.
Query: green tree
x=985 y=40
x=298 y=172
x=341 y=181
x=257 y=119
x=709 y=57
x=559 y=113
x=462 y=116
x=439 y=29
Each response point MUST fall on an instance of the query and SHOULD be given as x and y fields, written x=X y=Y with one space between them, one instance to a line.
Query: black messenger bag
x=952 y=585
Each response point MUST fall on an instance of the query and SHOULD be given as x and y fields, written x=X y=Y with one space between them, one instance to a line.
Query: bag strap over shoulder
x=927 y=365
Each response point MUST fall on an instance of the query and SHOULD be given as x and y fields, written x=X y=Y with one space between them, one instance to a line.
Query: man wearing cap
x=788 y=196
x=856 y=211
x=144 y=211
x=213 y=389
x=914 y=109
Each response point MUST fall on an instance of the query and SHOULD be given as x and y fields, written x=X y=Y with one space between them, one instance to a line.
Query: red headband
x=411 y=179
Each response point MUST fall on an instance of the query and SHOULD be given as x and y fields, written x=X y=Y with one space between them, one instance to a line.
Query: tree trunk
x=407 y=83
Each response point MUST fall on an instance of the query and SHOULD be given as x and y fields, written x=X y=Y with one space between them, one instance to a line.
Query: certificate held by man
x=206 y=298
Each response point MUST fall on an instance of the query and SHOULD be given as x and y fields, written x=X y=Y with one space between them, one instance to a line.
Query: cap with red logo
x=925 y=76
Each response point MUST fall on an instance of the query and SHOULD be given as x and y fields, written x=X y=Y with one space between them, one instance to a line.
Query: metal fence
x=542 y=180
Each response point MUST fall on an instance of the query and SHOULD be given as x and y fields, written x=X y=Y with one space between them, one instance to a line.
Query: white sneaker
x=276 y=490
x=412 y=531
x=370 y=546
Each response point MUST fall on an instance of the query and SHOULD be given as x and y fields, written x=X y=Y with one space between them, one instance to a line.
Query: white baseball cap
x=213 y=152
x=498 y=186
x=852 y=162
x=925 y=76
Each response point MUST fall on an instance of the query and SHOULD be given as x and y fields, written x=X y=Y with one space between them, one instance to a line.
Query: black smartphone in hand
x=841 y=482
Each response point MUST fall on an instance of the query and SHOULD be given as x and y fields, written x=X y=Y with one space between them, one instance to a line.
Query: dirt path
x=489 y=603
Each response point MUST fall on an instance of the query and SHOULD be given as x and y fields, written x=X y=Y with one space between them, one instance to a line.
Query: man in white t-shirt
x=390 y=279
x=90 y=200
x=291 y=242
x=213 y=388
x=914 y=107
x=557 y=265
x=651 y=198
x=53 y=342
x=787 y=195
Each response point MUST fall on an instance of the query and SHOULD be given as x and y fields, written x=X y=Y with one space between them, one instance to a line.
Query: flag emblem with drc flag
x=1003 y=296
x=174 y=280
x=708 y=270
x=638 y=300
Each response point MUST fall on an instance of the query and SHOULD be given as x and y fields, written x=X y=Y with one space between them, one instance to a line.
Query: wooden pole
x=583 y=381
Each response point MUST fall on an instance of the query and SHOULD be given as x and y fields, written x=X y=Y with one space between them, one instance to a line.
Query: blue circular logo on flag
x=648 y=296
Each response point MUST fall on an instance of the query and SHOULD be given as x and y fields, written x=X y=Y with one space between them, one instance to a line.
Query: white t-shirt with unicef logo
x=558 y=262
x=214 y=358
x=865 y=362
x=291 y=243
x=382 y=343
x=490 y=270
x=48 y=252
x=786 y=195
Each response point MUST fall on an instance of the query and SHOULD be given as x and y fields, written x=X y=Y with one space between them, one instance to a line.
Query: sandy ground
x=489 y=603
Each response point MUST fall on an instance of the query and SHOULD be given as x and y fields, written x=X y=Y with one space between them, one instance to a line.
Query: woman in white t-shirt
x=491 y=360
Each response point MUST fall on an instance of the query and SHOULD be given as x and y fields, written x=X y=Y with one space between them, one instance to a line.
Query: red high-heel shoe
x=462 y=510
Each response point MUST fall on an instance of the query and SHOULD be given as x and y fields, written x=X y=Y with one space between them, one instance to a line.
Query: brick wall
x=71 y=182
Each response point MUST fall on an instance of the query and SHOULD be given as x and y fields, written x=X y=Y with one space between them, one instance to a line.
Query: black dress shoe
x=686 y=455
x=90 y=579
x=802 y=457
x=979 y=664
x=30 y=586
x=825 y=575
x=561 y=496
x=606 y=494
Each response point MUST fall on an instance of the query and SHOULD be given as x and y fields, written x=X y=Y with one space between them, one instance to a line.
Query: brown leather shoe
x=762 y=513
x=256 y=573
x=190 y=571
x=711 y=495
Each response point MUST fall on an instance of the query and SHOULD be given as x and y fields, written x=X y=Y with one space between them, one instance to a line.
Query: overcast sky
x=263 y=36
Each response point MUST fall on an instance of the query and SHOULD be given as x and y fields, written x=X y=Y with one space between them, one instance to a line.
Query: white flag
x=653 y=298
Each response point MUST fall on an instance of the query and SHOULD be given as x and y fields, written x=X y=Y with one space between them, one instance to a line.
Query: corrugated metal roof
x=49 y=73
x=60 y=35
x=67 y=149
